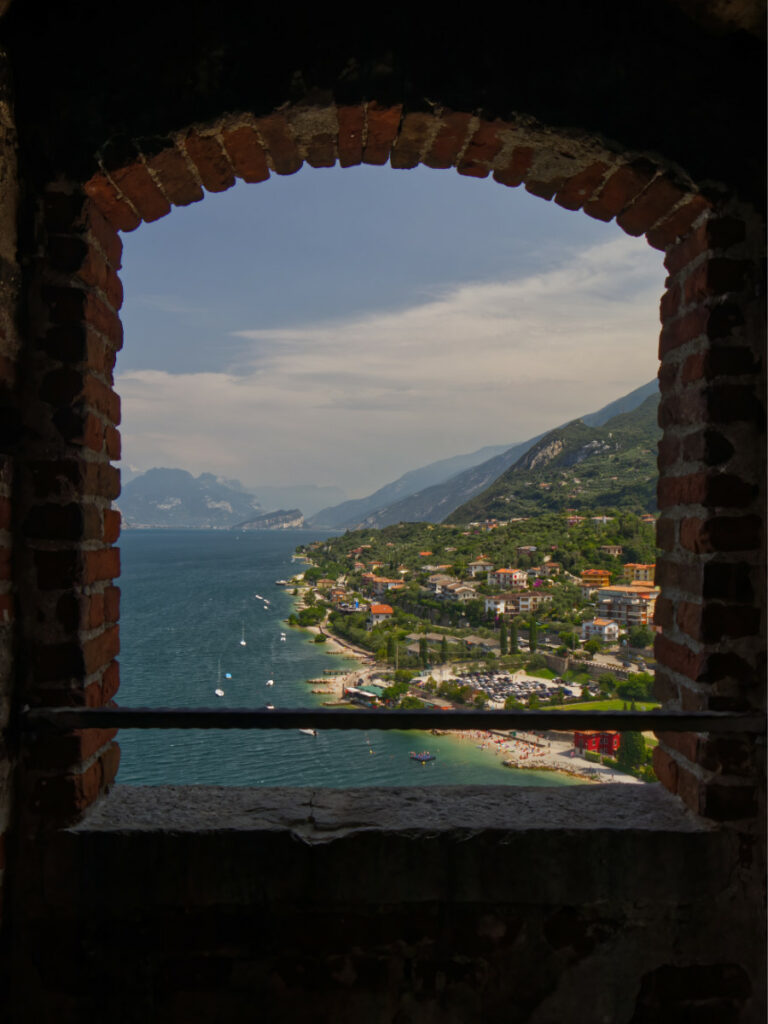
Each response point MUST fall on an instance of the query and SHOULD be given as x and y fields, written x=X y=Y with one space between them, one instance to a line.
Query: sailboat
x=309 y=732
x=270 y=682
x=242 y=639
x=218 y=691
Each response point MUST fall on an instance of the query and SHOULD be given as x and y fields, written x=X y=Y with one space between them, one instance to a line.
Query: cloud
x=357 y=401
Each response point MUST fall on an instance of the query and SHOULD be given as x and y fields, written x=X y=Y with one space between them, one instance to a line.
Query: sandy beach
x=525 y=751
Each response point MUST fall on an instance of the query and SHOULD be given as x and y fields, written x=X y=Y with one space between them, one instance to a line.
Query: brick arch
x=709 y=490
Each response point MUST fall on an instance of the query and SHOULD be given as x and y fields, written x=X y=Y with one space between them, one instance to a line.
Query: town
x=546 y=611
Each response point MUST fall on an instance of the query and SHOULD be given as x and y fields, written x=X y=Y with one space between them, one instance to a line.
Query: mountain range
x=434 y=492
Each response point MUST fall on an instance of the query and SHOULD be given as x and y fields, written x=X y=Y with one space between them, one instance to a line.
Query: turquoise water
x=187 y=596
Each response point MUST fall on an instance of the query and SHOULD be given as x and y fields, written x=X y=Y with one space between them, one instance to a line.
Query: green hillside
x=580 y=467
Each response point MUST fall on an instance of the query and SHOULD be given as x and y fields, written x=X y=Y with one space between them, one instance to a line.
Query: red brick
x=665 y=689
x=516 y=167
x=687 y=250
x=101 y=565
x=689 y=789
x=727 y=581
x=579 y=189
x=684 y=408
x=713 y=490
x=103 y=234
x=101 y=398
x=101 y=480
x=725 y=620
x=175 y=176
x=65 y=750
x=111 y=525
x=110 y=681
x=112 y=437
x=545 y=189
x=665 y=533
x=627 y=182
x=664 y=613
x=670 y=449
x=715 y=277
x=93 y=611
x=677 y=657
x=210 y=160
x=321 y=150
x=728 y=755
x=654 y=204
x=670 y=303
x=110 y=763
x=684 y=743
x=246 y=154
x=449 y=141
x=689 y=618
x=411 y=140
x=720 y=361
x=137 y=185
x=112 y=604
x=483 y=148
x=281 y=144
x=382 y=124
x=62 y=798
x=350 y=142
x=666 y=769
x=677 y=224
x=707 y=446
x=722 y=533
x=102 y=649
x=115 y=209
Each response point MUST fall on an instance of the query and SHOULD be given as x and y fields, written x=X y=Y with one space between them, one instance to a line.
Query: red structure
x=601 y=742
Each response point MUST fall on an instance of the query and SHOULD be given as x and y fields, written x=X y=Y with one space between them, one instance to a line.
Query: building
x=614 y=550
x=507 y=578
x=639 y=571
x=379 y=613
x=606 y=630
x=479 y=566
x=603 y=742
x=627 y=605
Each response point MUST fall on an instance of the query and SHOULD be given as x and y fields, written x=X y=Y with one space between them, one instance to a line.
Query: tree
x=534 y=701
x=503 y=648
x=480 y=699
x=513 y=704
x=585 y=694
x=532 y=634
x=568 y=638
x=423 y=652
x=632 y=751
x=594 y=645
x=409 y=703
x=607 y=683
x=391 y=648
x=444 y=649
x=513 y=647
x=640 y=636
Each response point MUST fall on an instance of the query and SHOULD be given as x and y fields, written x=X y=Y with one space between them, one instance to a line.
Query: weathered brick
x=714 y=490
x=210 y=160
x=55 y=570
x=707 y=446
x=545 y=188
x=728 y=755
x=112 y=604
x=675 y=333
x=620 y=189
x=381 y=124
x=101 y=398
x=321 y=150
x=117 y=211
x=175 y=176
x=449 y=141
x=93 y=611
x=112 y=439
x=665 y=689
x=579 y=189
x=516 y=167
x=246 y=154
x=678 y=224
x=101 y=565
x=715 y=277
x=687 y=250
x=727 y=581
x=65 y=750
x=654 y=204
x=684 y=743
x=136 y=183
x=350 y=141
x=55 y=522
x=110 y=681
x=720 y=361
x=728 y=803
x=111 y=529
x=688 y=618
x=665 y=533
x=663 y=614
x=101 y=480
x=670 y=303
x=670 y=449
x=62 y=798
x=411 y=140
x=721 y=533
x=682 y=409
x=280 y=143
x=677 y=657
x=102 y=649
x=56 y=661
x=666 y=769
x=483 y=148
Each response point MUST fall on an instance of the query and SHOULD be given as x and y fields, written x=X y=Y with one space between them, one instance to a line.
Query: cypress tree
x=532 y=633
x=503 y=649
x=513 y=648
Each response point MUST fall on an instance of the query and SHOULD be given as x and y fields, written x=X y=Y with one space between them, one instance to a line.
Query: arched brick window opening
x=710 y=485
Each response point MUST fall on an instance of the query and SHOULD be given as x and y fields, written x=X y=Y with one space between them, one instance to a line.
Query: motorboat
x=270 y=682
x=309 y=732
x=219 y=692
x=423 y=757
x=270 y=707
x=242 y=638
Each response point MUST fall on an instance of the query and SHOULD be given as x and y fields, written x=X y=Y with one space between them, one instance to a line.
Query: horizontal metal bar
x=62 y=719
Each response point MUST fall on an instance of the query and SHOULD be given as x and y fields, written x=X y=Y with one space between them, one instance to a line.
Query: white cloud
x=359 y=401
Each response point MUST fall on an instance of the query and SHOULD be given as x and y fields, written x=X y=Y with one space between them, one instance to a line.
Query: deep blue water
x=187 y=597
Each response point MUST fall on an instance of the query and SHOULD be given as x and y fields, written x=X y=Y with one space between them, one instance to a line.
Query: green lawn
x=606 y=705
x=541 y=673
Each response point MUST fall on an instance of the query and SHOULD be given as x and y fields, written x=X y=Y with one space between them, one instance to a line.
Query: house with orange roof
x=606 y=630
x=379 y=613
x=507 y=577
x=644 y=572
x=631 y=605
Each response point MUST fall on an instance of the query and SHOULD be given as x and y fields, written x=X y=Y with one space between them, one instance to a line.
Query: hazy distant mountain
x=580 y=466
x=352 y=512
x=282 y=519
x=175 y=498
x=436 y=502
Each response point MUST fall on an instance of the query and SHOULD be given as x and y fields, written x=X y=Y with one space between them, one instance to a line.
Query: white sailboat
x=218 y=691
x=309 y=732
x=270 y=682
x=242 y=639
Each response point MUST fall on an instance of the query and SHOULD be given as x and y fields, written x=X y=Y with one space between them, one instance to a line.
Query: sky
x=341 y=327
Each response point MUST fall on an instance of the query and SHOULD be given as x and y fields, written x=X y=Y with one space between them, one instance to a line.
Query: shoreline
x=524 y=752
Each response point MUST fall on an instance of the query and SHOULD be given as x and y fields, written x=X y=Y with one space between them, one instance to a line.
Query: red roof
x=380 y=609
